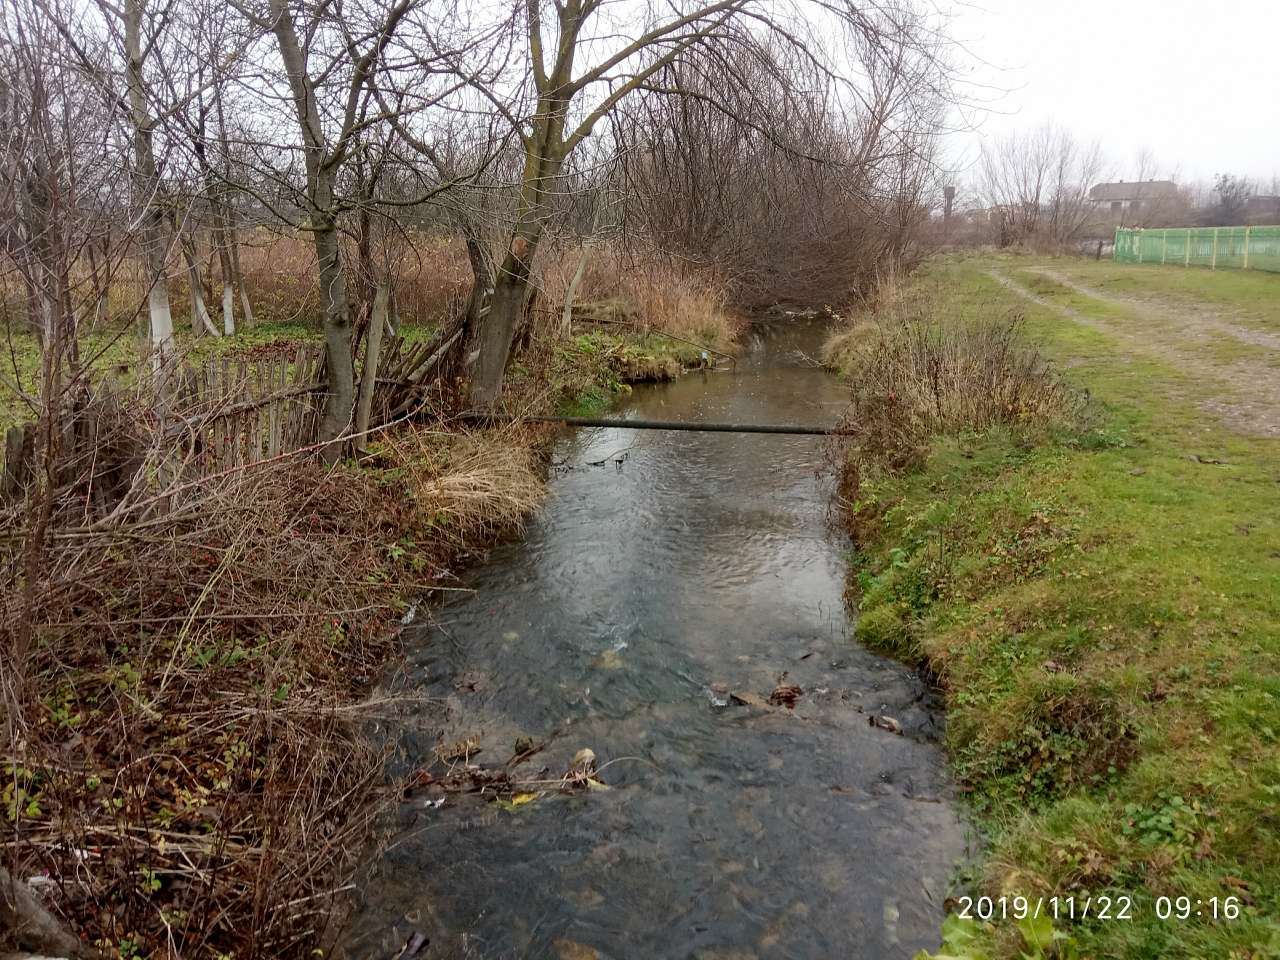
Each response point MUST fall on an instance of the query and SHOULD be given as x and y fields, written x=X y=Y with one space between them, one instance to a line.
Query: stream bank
x=1099 y=595
x=190 y=779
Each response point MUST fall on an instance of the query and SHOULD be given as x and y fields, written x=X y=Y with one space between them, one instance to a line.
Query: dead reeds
x=916 y=373
x=645 y=289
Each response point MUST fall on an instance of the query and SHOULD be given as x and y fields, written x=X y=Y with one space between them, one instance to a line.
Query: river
x=682 y=567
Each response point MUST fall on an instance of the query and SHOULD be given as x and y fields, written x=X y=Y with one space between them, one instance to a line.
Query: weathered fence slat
x=230 y=412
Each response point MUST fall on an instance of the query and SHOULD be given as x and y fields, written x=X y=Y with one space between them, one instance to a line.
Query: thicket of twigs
x=183 y=685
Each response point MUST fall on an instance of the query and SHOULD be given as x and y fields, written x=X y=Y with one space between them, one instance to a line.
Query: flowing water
x=682 y=566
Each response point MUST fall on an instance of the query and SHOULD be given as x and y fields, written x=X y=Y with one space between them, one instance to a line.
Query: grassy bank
x=1099 y=594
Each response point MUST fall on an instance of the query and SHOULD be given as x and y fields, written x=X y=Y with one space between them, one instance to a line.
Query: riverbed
x=666 y=573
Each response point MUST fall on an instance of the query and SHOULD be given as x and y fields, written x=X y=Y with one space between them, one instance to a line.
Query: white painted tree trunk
x=161 y=322
x=154 y=239
x=228 y=309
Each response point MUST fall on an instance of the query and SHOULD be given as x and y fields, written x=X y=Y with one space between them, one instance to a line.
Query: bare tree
x=751 y=167
x=154 y=233
x=1036 y=184
x=565 y=98
x=335 y=64
x=1230 y=200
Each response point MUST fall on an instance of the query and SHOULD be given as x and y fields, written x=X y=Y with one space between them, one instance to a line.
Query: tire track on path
x=1250 y=392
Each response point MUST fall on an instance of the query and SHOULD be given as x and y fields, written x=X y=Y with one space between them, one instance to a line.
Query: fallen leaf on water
x=517 y=801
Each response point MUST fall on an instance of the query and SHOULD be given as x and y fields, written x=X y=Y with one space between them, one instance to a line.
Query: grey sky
x=1195 y=82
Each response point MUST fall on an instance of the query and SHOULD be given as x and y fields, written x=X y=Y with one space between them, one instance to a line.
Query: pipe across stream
x=667 y=569
x=694 y=426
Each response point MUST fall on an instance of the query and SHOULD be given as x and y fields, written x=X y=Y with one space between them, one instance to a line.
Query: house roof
x=1133 y=190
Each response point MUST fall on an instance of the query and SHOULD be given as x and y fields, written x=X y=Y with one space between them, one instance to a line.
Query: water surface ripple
x=700 y=562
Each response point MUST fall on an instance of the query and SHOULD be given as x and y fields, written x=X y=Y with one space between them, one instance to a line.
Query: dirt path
x=1249 y=402
x=1195 y=322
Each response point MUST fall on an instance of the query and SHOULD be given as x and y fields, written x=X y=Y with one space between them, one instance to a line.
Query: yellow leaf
x=522 y=798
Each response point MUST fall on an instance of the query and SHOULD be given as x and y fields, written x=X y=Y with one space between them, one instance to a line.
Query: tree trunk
x=321 y=174
x=496 y=333
x=154 y=233
x=494 y=337
x=337 y=337
x=373 y=352
x=233 y=243
x=230 y=239
x=566 y=317
x=100 y=275
x=481 y=287
x=225 y=267
x=201 y=322
x=365 y=273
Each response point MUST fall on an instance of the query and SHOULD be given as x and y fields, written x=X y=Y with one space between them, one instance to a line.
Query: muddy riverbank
x=665 y=572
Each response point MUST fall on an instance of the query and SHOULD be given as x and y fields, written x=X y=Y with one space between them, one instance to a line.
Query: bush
x=1052 y=731
x=916 y=374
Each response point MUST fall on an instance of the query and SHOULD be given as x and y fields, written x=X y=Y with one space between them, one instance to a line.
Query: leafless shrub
x=182 y=678
x=916 y=374
x=752 y=166
x=1035 y=185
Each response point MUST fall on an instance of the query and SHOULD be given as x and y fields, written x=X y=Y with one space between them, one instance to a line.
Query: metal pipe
x=693 y=425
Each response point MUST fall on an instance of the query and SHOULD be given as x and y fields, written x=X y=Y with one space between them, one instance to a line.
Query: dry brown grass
x=184 y=768
x=473 y=488
x=916 y=374
x=648 y=290
x=432 y=275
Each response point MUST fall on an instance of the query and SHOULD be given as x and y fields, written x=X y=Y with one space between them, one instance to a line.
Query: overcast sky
x=1196 y=82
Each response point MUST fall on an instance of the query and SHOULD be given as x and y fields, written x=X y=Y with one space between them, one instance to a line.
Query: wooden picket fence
x=237 y=412
x=232 y=412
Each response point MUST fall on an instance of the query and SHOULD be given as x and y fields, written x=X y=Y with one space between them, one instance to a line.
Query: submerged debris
x=459 y=750
x=885 y=723
x=785 y=695
x=413 y=946
x=584 y=761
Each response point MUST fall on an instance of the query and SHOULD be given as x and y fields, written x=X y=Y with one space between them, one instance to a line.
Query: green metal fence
x=1238 y=248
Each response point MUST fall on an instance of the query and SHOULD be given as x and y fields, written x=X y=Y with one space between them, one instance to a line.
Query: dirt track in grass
x=1246 y=383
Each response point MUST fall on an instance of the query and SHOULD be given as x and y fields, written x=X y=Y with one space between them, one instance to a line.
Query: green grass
x=1245 y=296
x=1145 y=320
x=1104 y=612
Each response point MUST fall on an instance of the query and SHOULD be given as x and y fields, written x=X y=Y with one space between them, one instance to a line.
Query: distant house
x=1126 y=202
